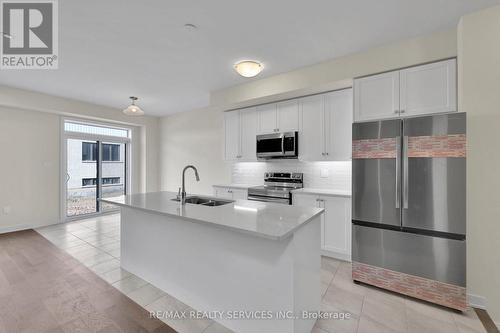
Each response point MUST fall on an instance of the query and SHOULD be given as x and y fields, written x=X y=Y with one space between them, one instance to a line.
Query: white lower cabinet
x=230 y=193
x=335 y=222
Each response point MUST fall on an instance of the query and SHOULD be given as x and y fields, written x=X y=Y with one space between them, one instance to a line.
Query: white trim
x=477 y=301
x=336 y=255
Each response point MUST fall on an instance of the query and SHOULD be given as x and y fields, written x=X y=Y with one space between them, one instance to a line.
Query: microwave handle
x=283 y=144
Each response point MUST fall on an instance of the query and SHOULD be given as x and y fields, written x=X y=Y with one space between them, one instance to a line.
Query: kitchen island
x=257 y=264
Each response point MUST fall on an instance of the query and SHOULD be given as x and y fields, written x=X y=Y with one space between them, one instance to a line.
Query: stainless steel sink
x=205 y=201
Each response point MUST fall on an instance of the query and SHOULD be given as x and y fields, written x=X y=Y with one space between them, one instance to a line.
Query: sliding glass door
x=81 y=177
x=113 y=169
x=95 y=164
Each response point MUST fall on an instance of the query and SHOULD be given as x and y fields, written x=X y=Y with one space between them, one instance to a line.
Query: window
x=71 y=126
x=89 y=151
x=111 y=180
x=105 y=181
x=110 y=152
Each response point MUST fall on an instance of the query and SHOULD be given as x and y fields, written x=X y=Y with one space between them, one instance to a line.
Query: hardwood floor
x=44 y=289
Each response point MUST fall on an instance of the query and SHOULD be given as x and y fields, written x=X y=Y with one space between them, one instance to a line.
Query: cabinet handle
x=326 y=154
x=402 y=111
x=323 y=154
x=396 y=111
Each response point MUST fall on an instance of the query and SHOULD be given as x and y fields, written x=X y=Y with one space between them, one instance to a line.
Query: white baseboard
x=476 y=301
x=336 y=255
x=21 y=227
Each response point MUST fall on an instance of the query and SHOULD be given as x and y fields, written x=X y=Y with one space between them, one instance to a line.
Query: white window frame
x=65 y=135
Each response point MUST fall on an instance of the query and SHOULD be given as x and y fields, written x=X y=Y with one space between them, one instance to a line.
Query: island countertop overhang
x=268 y=220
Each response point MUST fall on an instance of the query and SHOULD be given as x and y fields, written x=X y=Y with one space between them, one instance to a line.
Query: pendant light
x=132 y=109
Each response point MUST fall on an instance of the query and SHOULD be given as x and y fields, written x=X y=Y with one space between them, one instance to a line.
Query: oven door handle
x=268 y=199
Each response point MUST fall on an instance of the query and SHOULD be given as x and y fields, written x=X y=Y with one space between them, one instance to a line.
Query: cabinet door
x=429 y=88
x=336 y=236
x=238 y=194
x=305 y=200
x=376 y=97
x=338 y=125
x=288 y=116
x=311 y=135
x=267 y=118
x=248 y=125
x=231 y=135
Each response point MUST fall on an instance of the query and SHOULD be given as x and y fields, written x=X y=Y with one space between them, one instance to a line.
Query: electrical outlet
x=6 y=210
x=324 y=173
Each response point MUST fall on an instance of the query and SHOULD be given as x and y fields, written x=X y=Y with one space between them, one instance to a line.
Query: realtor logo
x=29 y=38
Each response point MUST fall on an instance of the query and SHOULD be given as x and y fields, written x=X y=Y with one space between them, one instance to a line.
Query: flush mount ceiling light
x=132 y=109
x=248 y=68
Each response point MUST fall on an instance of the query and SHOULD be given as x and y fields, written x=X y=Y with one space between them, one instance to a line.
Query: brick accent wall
x=374 y=148
x=453 y=145
x=445 y=294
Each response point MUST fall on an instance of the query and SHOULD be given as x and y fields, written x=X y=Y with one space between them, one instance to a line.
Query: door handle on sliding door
x=398 y=171
x=405 y=172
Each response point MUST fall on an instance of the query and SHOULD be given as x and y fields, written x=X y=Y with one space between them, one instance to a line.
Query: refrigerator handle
x=398 y=170
x=405 y=172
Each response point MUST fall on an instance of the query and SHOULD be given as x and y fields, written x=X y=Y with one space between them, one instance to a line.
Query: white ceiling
x=112 y=49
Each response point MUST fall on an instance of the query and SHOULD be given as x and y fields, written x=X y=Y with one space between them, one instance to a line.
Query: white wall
x=193 y=138
x=479 y=91
x=30 y=154
x=197 y=137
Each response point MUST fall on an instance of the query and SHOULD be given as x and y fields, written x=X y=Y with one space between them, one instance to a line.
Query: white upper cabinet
x=268 y=122
x=288 y=116
x=240 y=129
x=338 y=125
x=278 y=117
x=326 y=124
x=418 y=90
x=376 y=97
x=311 y=135
x=248 y=126
x=429 y=88
x=231 y=135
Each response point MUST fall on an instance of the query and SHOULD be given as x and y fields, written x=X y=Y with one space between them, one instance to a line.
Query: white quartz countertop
x=323 y=191
x=237 y=186
x=263 y=219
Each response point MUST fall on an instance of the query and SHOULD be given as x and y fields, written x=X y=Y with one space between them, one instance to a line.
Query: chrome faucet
x=183 y=192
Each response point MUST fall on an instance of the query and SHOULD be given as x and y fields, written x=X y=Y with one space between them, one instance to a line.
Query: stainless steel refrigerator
x=408 y=206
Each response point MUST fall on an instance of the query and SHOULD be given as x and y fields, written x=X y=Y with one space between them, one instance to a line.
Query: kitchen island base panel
x=216 y=269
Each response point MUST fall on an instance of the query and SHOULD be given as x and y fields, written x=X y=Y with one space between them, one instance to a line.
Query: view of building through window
x=95 y=169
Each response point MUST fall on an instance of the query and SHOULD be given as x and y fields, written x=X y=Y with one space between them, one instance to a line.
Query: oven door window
x=269 y=145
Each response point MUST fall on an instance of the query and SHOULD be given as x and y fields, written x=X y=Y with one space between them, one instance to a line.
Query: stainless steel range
x=277 y=187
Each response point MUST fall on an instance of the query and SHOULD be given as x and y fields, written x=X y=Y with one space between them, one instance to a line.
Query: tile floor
x=96 y=243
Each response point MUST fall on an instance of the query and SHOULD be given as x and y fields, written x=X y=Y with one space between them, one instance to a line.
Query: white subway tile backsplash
x=331 y=175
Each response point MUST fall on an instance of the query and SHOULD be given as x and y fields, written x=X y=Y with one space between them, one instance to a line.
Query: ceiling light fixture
x=132 y=109
x=248 y=68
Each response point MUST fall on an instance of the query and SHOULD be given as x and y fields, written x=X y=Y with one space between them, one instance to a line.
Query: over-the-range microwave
x=278 y=145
